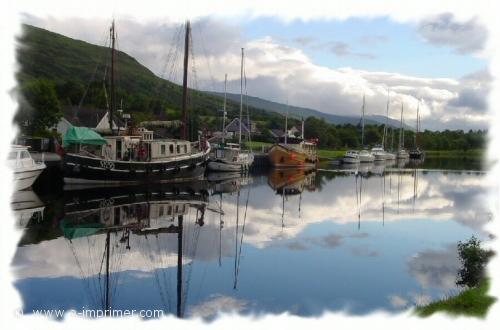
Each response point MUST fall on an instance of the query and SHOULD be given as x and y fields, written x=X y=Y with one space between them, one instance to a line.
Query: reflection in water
x=294 y=240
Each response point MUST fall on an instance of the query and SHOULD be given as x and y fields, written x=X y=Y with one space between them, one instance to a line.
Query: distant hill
x=298 y=112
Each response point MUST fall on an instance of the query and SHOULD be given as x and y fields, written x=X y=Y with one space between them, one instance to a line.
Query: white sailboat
x=402 y=153
x=365 y=156
x=229 y=157
x=378 y=151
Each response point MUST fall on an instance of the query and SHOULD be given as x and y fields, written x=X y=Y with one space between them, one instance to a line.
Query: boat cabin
x=19 y=157
x=142 y=147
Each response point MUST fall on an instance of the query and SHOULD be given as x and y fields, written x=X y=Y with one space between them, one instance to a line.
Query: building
x=233 y=128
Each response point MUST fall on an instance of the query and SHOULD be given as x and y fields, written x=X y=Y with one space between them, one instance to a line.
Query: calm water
x=360 y=240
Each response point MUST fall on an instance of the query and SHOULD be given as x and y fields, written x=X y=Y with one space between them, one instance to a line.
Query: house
x=233 y=128
x=278 y=133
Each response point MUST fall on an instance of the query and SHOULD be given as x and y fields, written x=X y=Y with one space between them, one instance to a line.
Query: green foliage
x=471 y=302
x=474 y=260
x=475 y=300
x=39 y=107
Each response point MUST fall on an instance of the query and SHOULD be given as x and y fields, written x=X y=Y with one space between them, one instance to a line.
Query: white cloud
x=277 y=72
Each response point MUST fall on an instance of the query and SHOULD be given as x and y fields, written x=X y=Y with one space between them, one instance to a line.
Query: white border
x=402 y=11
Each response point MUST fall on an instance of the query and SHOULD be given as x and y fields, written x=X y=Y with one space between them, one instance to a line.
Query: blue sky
x=401 y=48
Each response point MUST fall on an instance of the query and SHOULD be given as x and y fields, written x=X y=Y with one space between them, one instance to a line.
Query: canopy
x=82 y=135
x=71 y=231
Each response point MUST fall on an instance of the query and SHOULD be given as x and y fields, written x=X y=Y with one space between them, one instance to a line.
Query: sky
x=436 y=63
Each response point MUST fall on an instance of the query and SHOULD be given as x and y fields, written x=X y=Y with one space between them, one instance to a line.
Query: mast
x=224 y=114
x=363 y=122
x=112 y=80
x=386 y=121
x=179 y=268
x=241 y=94
x=184 y=81
x=106 y=301
x=401 y=131
x=286 y=122
x=418 y=126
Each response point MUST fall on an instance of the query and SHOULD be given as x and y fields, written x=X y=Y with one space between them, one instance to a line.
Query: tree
x=39 y=107
x=474 y=260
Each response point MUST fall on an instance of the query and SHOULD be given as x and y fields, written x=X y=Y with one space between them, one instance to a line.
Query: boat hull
x=25 y=179
x=350 y=160
x=283 y=157
x=79 y=169
x=223 y=166
x=366 y=158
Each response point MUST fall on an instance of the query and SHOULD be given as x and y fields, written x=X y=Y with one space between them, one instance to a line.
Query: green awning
x=81 y=230
x=82 y=135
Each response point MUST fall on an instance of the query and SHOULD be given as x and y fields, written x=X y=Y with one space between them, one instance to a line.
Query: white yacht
x=366 y=157
x=379 y=154
x=351 y=157
x=25 y=169
x=403 y=154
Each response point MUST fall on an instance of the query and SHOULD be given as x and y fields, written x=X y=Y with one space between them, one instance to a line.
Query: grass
x=325 y=154
x=472 y=153
x=471 y=302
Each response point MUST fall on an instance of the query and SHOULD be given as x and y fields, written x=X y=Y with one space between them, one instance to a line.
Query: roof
x=276 y=132
x=234 y=126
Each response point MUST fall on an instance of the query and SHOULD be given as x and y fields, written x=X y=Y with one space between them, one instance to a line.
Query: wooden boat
x=289 y=154
x=293 y=151
x=25 y=169
x=134 y=155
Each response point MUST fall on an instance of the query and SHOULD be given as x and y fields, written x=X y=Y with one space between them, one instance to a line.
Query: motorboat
x=25 y=169
x=351 y=157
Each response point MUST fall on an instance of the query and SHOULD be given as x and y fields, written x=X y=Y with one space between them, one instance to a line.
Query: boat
x=402 y=153
x=291 y=151
x=378 y=151
x=365 y=157
x=362 y=156
x=351 y=157
x=417 y=153
x=25 y=169
x=133 y=154
x=230 y=157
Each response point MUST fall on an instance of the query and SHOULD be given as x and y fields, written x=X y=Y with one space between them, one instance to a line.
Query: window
x=178 y=149
x=185 y=149
x=171 y=147
x=25 y=154
x=163 y=149
x=161 y=211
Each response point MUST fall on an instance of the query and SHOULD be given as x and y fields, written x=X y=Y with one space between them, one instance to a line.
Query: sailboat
x=230 y=157
x=293 y=151
x=417 y=153
x=379 y=151
x=362 y=156
x=402 y=153
x=133 y=155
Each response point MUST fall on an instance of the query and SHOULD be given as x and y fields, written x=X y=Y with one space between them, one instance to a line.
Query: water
x=358 y=240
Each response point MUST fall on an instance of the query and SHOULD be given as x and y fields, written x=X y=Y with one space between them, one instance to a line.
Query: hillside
x=299 y=112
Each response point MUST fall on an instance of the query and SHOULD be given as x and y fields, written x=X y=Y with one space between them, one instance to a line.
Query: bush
x=474 y=260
